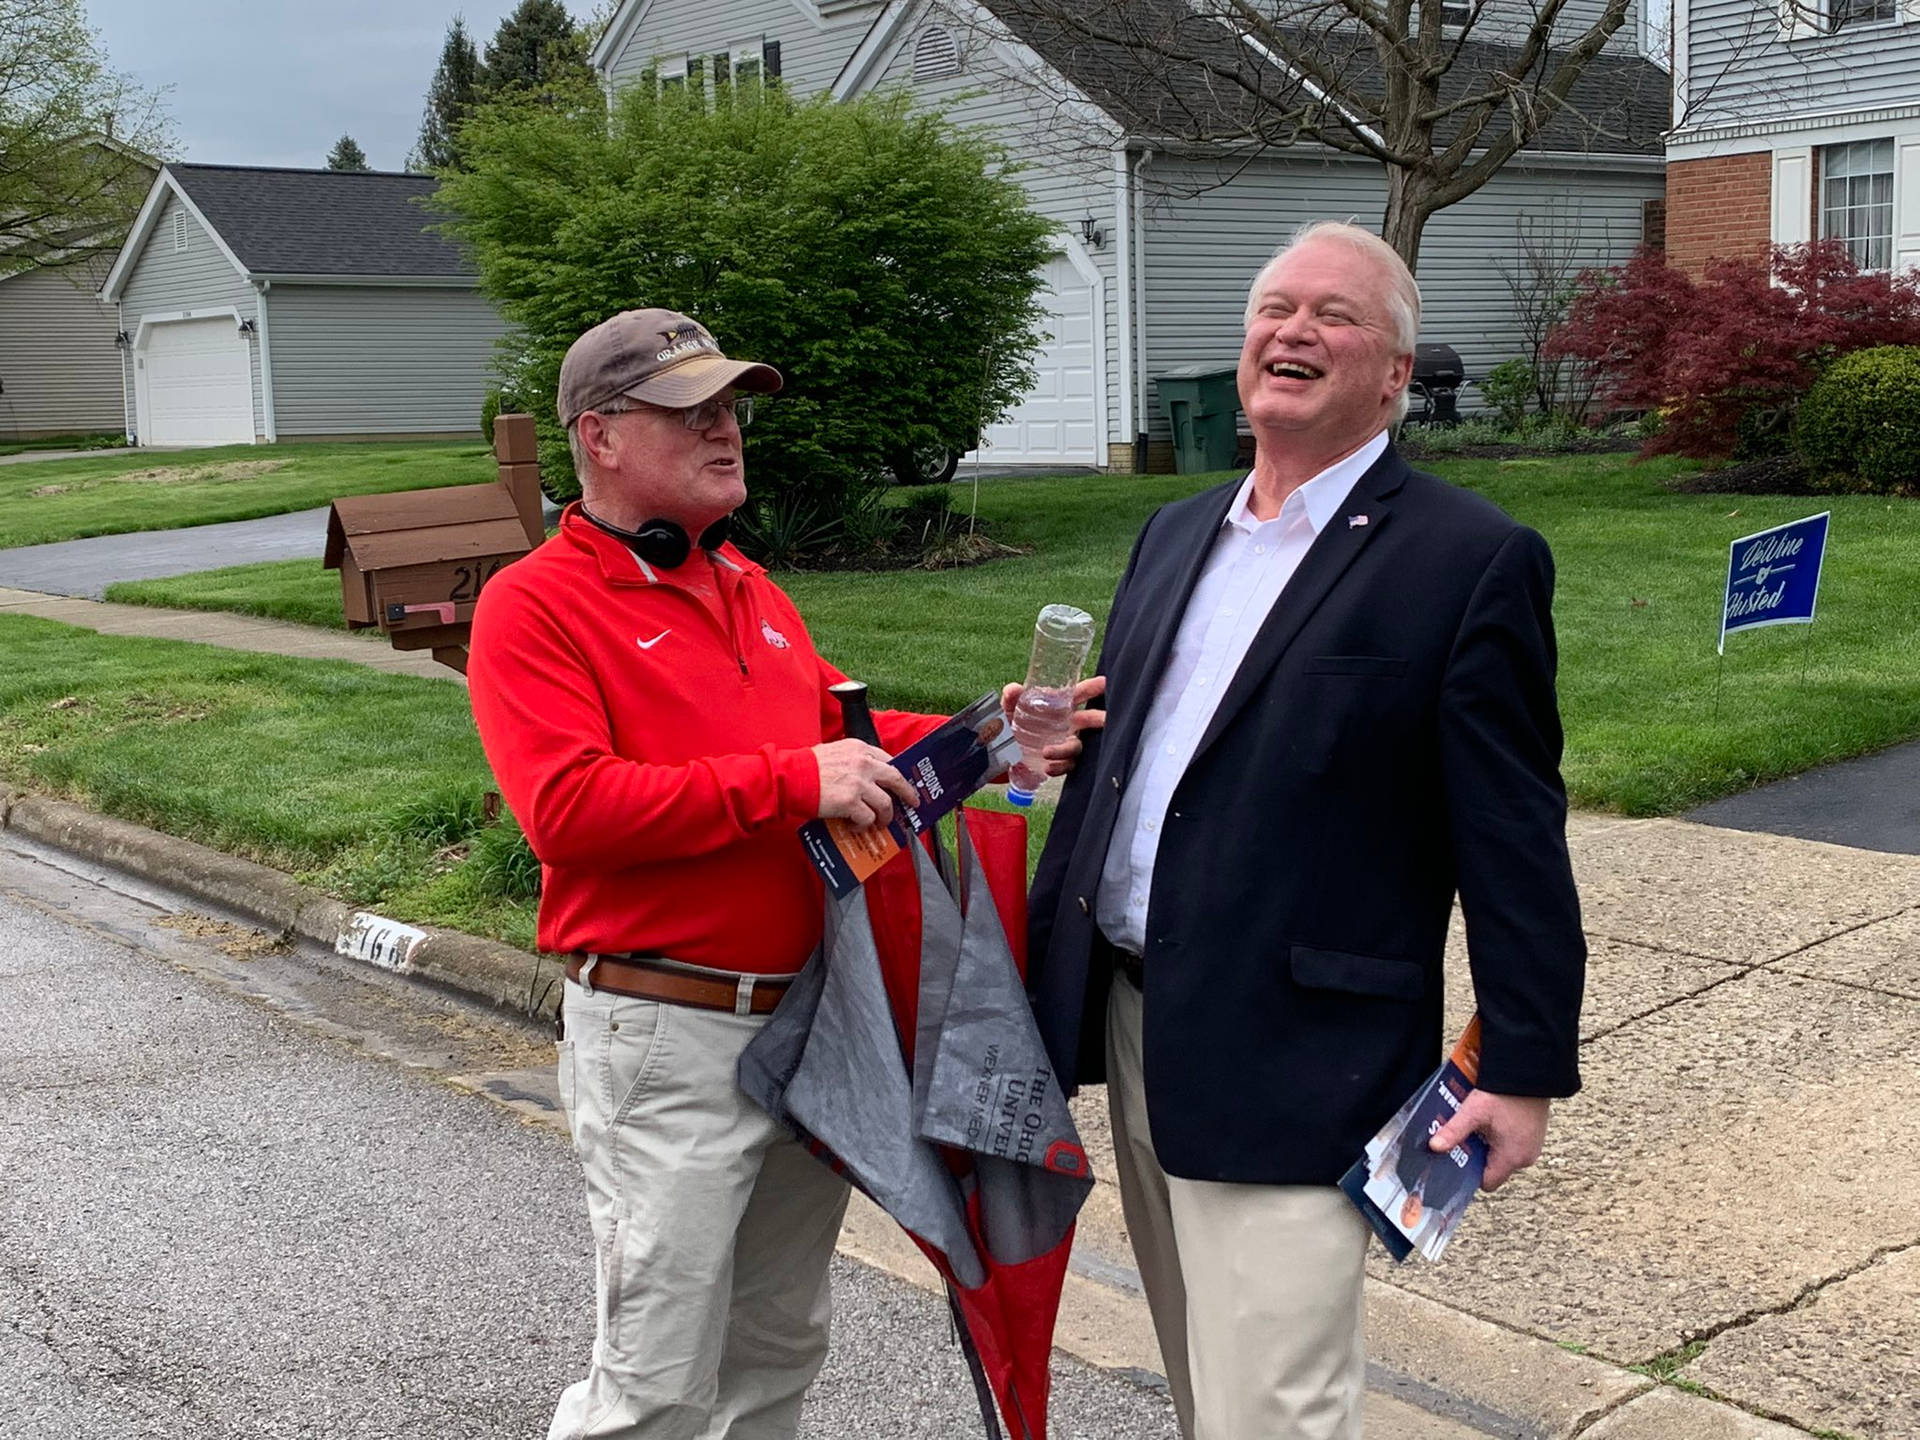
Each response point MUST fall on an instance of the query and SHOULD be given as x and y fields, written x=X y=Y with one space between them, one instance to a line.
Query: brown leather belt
x=654 y=977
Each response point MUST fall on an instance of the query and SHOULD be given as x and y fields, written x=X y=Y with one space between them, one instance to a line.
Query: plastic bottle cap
x=1018 y=797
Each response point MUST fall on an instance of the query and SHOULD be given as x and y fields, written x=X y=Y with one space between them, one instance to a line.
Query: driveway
x=87 y=567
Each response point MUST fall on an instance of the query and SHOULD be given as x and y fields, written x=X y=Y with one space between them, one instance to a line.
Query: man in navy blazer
x=1329 y=708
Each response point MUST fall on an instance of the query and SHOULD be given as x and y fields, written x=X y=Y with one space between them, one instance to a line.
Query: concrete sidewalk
x=229 y=632
x=1721 y=1240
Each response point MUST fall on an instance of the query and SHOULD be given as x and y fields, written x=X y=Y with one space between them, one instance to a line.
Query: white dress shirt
x=1249 y=567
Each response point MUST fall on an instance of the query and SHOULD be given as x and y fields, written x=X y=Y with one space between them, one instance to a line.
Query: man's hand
x=858 y=783
x=1063 y=757
x=1515 y=1127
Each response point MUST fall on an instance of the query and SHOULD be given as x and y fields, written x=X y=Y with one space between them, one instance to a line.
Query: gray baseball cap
x=659 y=356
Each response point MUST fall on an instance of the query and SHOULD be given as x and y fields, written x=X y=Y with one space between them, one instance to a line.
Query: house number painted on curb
x=380 y=941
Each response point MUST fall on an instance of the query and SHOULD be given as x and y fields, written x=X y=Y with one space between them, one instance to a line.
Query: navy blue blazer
x=1391 y=737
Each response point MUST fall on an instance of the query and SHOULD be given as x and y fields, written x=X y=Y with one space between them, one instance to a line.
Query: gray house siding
x=1739 y=68
x=811 y=50
x=59 y=368
x=1068 y=173
x=168 y=281
x=1203 y=249
x=376 y=359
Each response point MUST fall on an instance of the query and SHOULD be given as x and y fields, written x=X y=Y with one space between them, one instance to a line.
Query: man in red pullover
x=660 y=724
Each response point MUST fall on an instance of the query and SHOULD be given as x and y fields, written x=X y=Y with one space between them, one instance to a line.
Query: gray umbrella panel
x=828 y=1064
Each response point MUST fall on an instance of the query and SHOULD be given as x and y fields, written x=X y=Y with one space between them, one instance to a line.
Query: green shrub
x=1859 y=426
x=885 y=263
x=502 y=864
x=449 y=816
x=1509 y=389
x=489 y=411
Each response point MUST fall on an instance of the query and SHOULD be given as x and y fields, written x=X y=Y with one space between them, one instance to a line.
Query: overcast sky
x=276 y=82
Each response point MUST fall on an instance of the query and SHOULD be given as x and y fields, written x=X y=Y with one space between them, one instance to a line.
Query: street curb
x=1497 y=1380
x=508 y=977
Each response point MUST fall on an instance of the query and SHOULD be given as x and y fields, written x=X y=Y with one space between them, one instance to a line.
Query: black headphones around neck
x=664 y=542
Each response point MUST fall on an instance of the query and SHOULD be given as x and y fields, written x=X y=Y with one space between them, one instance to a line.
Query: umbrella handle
x=855 y=716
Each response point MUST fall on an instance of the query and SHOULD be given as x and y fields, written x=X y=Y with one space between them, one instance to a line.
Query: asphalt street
x=254 y=1191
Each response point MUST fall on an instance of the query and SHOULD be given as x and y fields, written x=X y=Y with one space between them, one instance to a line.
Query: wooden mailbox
x=414 y=563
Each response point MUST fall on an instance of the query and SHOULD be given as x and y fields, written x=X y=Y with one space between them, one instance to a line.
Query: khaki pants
x=1255 y=1290
x=712 y=1227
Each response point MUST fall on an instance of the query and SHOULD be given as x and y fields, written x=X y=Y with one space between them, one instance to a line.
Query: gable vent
x=179 y=230
x=935 y=54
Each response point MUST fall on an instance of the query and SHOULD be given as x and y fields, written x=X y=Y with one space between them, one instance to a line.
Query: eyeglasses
x=703 y=416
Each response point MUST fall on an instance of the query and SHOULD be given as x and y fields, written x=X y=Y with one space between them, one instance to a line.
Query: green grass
x=124 y=490
x=97 y=440
x=313 y=767
x=1655 y=722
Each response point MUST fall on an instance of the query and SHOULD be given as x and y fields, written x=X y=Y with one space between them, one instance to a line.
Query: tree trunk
x=1409 y=203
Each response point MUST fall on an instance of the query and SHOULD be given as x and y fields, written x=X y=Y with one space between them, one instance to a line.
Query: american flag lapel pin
x=1355 y=520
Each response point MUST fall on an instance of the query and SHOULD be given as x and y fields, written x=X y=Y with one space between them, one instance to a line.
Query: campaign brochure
x=945 y=767
x=1412 y=1196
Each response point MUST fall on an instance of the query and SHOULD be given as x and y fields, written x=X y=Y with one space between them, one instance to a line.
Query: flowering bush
x=1726 y=359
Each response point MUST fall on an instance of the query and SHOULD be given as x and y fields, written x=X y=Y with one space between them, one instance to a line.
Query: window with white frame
x=671 y=72
x=1843 y=13
x=1856 y=200
x=1455 y=16
x=745 y=67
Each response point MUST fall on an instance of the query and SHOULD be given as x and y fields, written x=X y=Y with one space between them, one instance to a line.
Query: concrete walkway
x=1727 y=1205
x=230 y=632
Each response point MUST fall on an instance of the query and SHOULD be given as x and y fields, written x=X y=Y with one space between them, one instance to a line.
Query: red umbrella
x=907 y=1054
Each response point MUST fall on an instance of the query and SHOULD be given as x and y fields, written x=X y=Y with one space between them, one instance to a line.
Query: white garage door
x=199 y=384
x=1058 y=421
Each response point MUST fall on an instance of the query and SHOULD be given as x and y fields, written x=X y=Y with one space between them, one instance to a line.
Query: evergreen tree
x=455 y=88
x=347 y=155
x=537 y=51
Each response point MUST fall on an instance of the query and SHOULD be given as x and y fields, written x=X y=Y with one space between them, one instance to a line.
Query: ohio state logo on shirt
x=773 y=636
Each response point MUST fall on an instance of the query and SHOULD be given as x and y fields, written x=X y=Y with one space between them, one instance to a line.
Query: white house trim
x=268 y=424
x=163 y=185
x=869 y=59
x=1832 y=127
x=1082 y=260
x=614 y=39
x=1140 y=378
x=1792 y=222
x=1123 y=282
x=1682 y=56
x=142 y=406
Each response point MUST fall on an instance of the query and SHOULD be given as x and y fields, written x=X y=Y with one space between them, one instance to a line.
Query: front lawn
x=1640 y=575
x=123 y=490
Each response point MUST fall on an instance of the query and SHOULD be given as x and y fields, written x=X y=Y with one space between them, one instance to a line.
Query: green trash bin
x=1203 y=407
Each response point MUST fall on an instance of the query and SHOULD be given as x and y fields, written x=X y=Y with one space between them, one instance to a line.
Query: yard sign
x=1773 y=577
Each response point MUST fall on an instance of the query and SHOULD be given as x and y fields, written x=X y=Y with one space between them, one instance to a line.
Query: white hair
x=618 y=405
x=1403 y=292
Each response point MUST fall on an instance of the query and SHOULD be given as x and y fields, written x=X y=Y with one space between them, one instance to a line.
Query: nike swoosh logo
x=649 y=644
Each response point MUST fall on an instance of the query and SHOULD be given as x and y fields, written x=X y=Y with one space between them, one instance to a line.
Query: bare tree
x=1542 y=277
x=1442 y=93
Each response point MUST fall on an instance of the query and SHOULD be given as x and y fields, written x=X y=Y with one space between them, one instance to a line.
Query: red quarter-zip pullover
x=653 y=735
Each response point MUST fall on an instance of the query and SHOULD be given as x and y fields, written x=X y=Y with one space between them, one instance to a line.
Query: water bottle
x=1062 y=637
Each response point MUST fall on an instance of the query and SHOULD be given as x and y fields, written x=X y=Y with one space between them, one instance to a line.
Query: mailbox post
x=414 y=563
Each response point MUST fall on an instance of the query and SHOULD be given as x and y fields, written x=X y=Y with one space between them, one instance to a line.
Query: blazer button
x=1085 y=909
x=1116 y=784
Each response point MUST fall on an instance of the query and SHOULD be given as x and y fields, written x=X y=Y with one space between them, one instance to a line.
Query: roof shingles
x=323 y=222
x=1165 y=71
